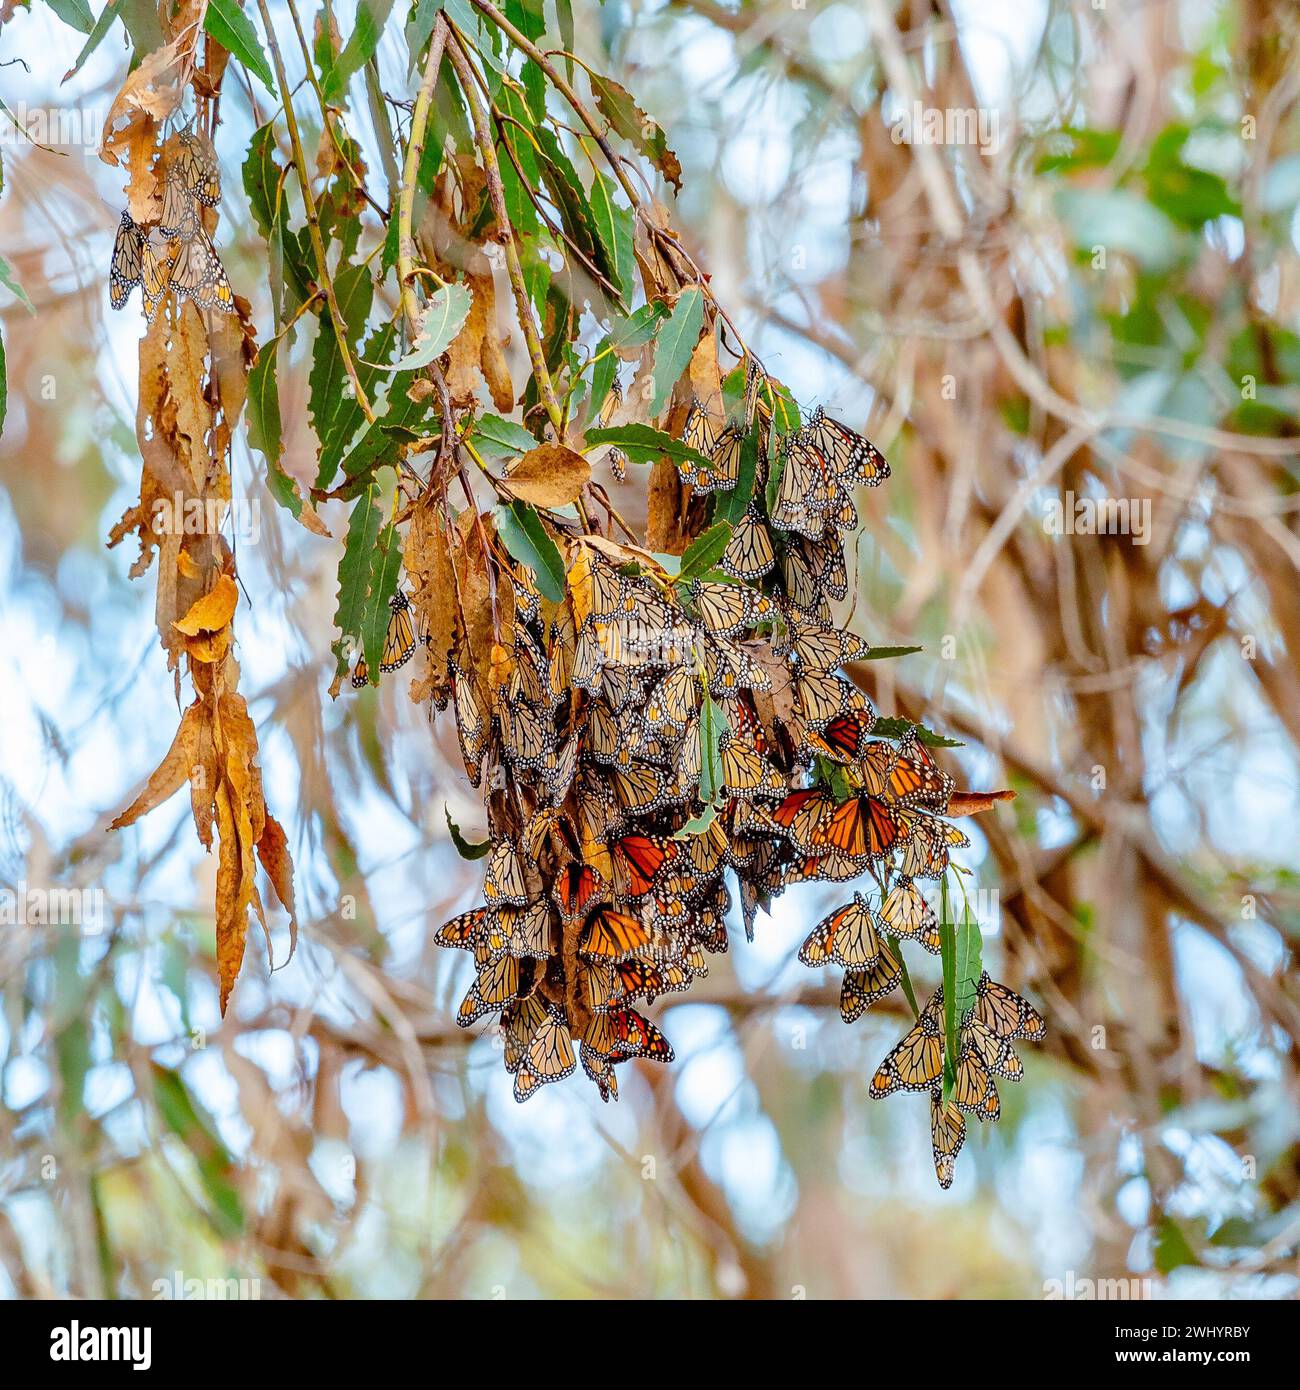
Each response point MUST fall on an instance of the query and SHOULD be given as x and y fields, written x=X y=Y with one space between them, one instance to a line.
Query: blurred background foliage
x=1098 y=301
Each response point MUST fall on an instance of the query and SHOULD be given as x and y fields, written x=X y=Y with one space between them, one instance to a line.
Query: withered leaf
x=550 y=476
x=973 y=803
x=174 y=770
x=213 y=611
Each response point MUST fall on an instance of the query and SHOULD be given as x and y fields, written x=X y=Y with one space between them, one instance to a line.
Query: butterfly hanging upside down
x=188 y=265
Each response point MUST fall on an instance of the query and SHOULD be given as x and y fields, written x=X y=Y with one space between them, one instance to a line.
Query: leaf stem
x=411 y=171
x=496 y=192
x=313 y=221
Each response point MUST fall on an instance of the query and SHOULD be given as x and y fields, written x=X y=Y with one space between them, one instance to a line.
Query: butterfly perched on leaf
x=399 y=641
x=861 y=988
x=849 y=937
x=915 y=1063
x=135 y=263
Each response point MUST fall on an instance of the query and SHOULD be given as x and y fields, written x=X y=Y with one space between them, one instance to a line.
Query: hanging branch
x=505 y=233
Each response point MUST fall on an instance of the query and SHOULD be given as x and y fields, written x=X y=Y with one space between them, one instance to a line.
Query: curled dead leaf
x=174 y=770
x=550 y=476
x=973 y=803
x=213 y=611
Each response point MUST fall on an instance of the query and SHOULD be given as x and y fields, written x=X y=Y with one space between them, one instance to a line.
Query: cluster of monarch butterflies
x=645 y=734
x=188 y=265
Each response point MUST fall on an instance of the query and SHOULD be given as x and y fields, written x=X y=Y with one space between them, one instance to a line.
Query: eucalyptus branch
x=313 y=221
x=411 y=171
x=525 y=45
x=357 y=181
x=496 y=192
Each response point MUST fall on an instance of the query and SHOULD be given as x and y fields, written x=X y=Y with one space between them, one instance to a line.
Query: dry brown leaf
x=465 y=352
x=550 y=476
x=273 y=851
x=213 y=611
x=232 y=902
x=433 y=583
x=705 y=378
x=973 y=803
x=203 y=782
x=174 y=770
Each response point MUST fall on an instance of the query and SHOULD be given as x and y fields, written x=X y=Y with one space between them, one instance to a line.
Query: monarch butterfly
x=180 y=213
x=908 y=916
x=672 y=700
x=854 y=458
x=616 y=458
x=861 y=827
x=730 y=669
x=719 y=444
x=861 y=988
x=471 y=723
x=549 y=1056
x=195 y=162
x=597 y=589
x=635 y=1036
x=505 y=881
x=726 y=609
x=607 y=740
x=638 y=860
x=996 y=1053
x=601 y=1071
x=815 y=646
x=745 y=773
x=528 y=597
x=529 y=739
x=807 y=490
x=640 y=789
x=1004 y=1012
x=399 y=641
x=520 y=1019
x=947 y=1135
x=462 y=931
x=124 y=271
x=875 y=762
x=529 y=677
x=928 y=841
x=560 y=651
x=577 y=886
x=527 y=1083
x=612 y=935
x=622 y=687
x=802 y=813
x=198 y=274
x=915 y=1063
x=559 y=768
x=819 y=564
x=643 y=980
x=916 y=780
x=527 y=929
x=600 y=986
x=831 y=867
x=822 y=695
x=495 y=984
x=701 y=432
x=588 y=660
x=843 y=736
x=848 y=936
x=749 y=554
x=973 y=1090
